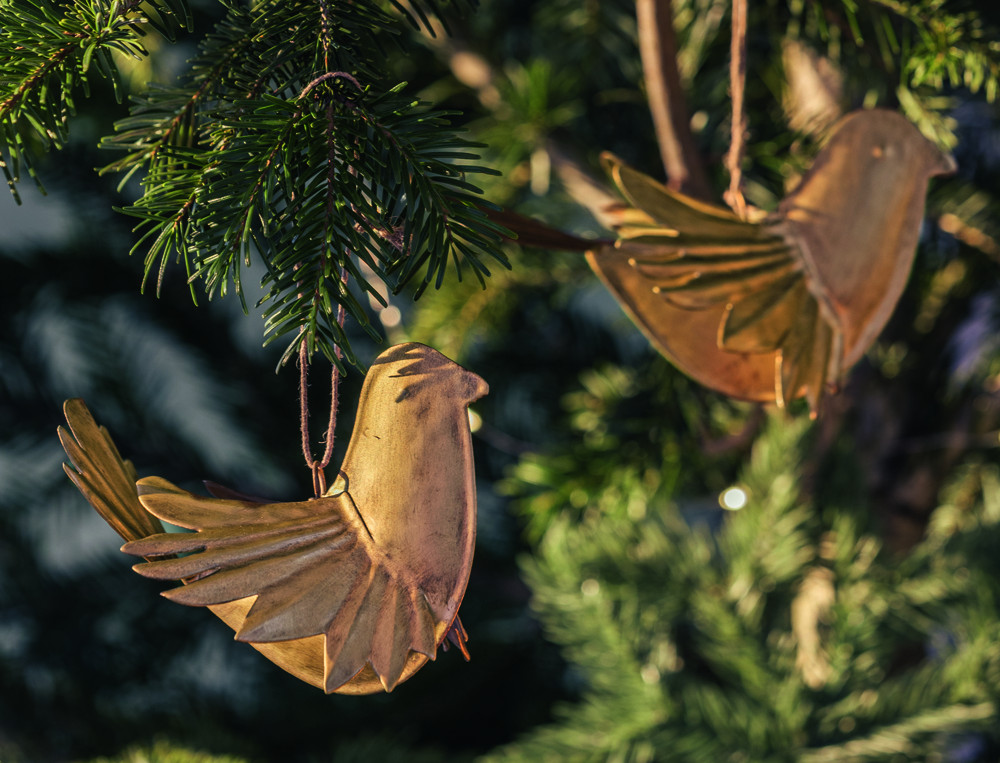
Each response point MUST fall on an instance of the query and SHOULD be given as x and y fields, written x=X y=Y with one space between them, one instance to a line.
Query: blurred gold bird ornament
x=778 y=308
x=352 y=592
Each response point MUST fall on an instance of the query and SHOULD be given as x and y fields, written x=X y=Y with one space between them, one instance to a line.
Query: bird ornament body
x=776 y=309
x=353 y=591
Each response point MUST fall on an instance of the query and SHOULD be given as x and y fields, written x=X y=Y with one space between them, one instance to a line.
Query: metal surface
x=352 y=592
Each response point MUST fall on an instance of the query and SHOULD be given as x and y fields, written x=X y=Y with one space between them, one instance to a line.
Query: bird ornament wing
x=311 y=569
x=776 y=309
x=726 y=300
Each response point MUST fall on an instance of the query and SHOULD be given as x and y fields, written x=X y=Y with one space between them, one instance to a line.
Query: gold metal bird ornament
x=776 y=309
x=352 y=592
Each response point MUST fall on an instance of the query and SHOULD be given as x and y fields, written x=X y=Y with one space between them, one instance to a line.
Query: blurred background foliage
x=616 y=610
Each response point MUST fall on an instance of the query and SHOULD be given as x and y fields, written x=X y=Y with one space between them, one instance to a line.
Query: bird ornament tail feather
x=777 y=308
x=353 y=591
x=106 y=480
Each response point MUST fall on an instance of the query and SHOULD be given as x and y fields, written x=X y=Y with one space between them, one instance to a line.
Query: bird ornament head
x=353 y=591
x=778 y=308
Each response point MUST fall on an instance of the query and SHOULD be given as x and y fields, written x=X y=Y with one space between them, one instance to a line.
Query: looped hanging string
x=737 y=86
x=330 y=75
x=317 y=467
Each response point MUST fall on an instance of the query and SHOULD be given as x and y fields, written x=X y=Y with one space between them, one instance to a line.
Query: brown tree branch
x=737 y=87
x=658 y=49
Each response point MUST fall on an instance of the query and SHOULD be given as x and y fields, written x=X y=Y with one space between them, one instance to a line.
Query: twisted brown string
x=737 y=85
x=318 y=467
x=304 y=410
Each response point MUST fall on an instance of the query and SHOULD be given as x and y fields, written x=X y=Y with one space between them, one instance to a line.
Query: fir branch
x=931 y=45
x=281 y=169
x=258 y=154
x=50 y=51
x=945 y=48
x=166 y=138
x=898 y=738
x=170 y=116
x=685 y=643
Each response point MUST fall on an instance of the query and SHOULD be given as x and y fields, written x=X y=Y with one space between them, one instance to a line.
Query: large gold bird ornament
x=776 y=309
x=352 y=592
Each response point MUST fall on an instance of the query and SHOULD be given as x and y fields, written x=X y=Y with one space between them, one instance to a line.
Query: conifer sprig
x=930 y=46
x=314 y=174
x=689 y=646
x=50 y=52
x=284 y=141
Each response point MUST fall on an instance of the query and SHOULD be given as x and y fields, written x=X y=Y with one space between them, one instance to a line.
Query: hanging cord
x=737 y=86
x=318 y=467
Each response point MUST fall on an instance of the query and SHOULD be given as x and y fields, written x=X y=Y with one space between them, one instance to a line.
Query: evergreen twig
x=279 y=145
x=898 y=738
